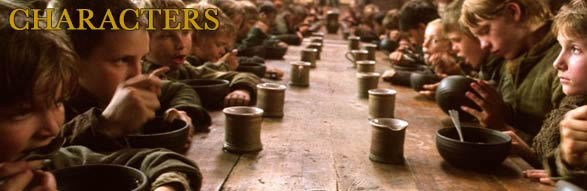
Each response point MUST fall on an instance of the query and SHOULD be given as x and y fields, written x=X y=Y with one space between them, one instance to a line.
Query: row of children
x=528 y=85
x=91 y=88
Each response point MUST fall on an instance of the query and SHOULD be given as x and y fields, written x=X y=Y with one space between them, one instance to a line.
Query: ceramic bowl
x=482 y=148
x=100 y=177
x=418 y=80
x=255 y=68
x=275 y=52
x=450 y=94
x=160 y=134
x=211 y=92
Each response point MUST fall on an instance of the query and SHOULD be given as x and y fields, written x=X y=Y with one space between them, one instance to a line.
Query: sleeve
x=161 y=166
x=238 y=80
x=291 y=39
x=84 y=130
x=254 y=38
x=559 y=170
x=182 y=97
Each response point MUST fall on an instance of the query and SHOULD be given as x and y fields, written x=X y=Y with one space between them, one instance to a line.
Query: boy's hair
x=416 y=12
x=250 y=10
x=230 y=7
x=572 y=20
x=35 y=63
x=267 y=7
x=84 y=41
x=474 y=11
x=225 y=28
x=450 y=19
x=159 y=19
x=391 y=19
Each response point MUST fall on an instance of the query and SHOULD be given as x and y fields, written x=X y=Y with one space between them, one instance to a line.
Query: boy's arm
x=161 y=166
x=182 y=97
x=84 y=129
x=558 y=169
x=238 y=81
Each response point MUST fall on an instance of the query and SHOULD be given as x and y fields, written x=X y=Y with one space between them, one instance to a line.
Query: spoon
x=454 y=116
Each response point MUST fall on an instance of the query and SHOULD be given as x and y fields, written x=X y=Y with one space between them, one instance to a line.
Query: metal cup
x=271 y=98
x=309 y=55
x=367 y=81
x=354 y=43
x=243 y=129
x=356 y=55
x=300 y=74
x=387 y=140
x=371 y=48
x=317 y=46
x=366 y=65
x=381 y=103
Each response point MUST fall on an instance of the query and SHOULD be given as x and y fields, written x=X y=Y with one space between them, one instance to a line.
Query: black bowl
x=100 y=177
x=211 y=92
x=418 y=80
x=483 y=148
x=450 y=94
x=275 y=52
x=387 y=45
x=257 y=69
x=161 y=134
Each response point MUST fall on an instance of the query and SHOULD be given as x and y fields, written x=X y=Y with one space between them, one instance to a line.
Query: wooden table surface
x=323 y=141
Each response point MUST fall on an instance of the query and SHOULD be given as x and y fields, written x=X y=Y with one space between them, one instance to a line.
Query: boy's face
x=23 y=127
x=249 y=23
x=211 y=49
x=572 y=64
x=434 y=41
x=416 y=35
x=170 y=48
x=467 y=48
x=116 y=59
x=500 y=37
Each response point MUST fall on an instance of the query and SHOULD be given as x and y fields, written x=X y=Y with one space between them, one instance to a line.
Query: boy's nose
x=52 y=121
x=134 y=69
x=560 y=63
x=485 y=44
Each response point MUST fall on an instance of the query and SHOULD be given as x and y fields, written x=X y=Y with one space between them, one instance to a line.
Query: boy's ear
x=513 y=11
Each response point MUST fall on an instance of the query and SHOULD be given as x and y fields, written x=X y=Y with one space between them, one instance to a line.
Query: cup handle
x=349 y=58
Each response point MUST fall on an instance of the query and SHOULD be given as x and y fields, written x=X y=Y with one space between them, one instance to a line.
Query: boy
x=38 y=73
x=170 y=49
x=286 y=24
x=112 y=84
x=258 y=38
x=518 y=30
x=413 y=18
x=568 y=159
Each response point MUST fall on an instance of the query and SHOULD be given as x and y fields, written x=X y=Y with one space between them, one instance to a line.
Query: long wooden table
x=323 y=141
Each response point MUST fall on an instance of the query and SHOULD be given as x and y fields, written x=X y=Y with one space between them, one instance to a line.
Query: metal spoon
x=454 y=116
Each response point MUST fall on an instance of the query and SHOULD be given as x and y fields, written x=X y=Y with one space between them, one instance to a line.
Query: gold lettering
x=150 y=17
x=123 y=24
x=108 y=18
x=12 y=19
x=65 y=15
x=169 y=18
x=189 y=23
x=86 y=20
x=211 y=18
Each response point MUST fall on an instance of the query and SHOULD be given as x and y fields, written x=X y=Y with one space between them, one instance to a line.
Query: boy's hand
x=492 y=106
x=237 y=98
x=20 y=176
x=519 y=146
x=133 y=104
x=395 y=57
x=429 y=89
x=232 y=60
x=573 y=130
x=261 y=25
x=540 y=176
x=173 y=114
